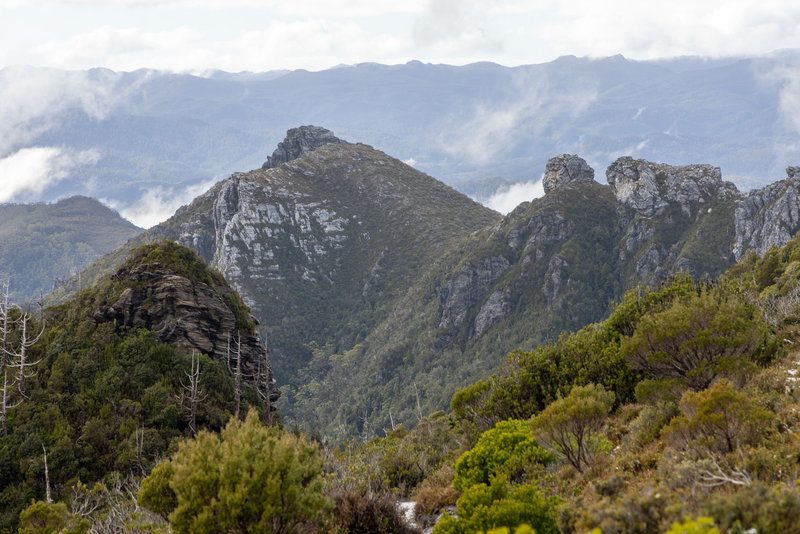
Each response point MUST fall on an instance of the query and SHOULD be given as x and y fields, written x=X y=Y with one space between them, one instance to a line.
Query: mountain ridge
x=162 y=130
x=382 y=289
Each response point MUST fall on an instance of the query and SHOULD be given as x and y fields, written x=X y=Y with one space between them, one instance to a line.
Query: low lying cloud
x=33 y=99
x=158 y=204
x=537 y=109
x=506 y=198
x=28 y=172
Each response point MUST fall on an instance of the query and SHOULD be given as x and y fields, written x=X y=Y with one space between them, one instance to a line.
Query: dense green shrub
x=532 y=380
x=51 y=518
x=500 y=504
x=250 y=477
x=570 y=424
x=507 y=449
x=719 y=420
x=695 y=340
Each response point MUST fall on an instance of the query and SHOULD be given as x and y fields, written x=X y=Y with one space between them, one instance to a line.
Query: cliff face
x=378 y=286
x=553 y=264
x=323 y=241
x=189 y=306
x=768 y=217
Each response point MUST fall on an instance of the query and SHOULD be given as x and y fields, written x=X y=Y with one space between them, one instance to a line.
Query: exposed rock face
x=492 y=311
x=466 y=288
x=564 y=169
x=768 y=217
x=649 y=187
x=190 y=314
x=298 y=141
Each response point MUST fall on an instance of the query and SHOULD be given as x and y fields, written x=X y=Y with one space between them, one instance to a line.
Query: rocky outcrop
x=191 y=314
x=768 y=217
x=564 y=169
x=650 y=187
x=466 y=288
x=298 y=141
x=495 y=307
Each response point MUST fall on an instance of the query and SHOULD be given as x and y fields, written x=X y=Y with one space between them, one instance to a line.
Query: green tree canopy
x=570 y=423
x=250 y=478
x=712 y=333
x=505 y=449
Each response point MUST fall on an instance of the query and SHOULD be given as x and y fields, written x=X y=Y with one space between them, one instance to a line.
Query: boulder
x=564 y=169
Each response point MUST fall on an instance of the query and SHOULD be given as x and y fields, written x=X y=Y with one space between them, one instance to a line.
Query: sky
x=260 y=35
x=199 y=36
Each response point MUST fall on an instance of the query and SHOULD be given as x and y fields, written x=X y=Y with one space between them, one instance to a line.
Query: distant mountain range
x=148 y=140
x=43 y=245
x=381 y=290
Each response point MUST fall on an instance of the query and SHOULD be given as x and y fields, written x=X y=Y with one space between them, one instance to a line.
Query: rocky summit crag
x=167 y=289
x=382 y=290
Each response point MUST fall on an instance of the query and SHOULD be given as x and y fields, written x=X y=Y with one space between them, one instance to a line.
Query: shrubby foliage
x=248 y=478
x=695 y=340
x=719 y=420
x=570 y=424
x=532 y=380
x=501 y=504
x=507 y=449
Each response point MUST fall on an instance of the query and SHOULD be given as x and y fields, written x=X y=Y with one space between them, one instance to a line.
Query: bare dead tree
x=46 y=477
x=19 y=354
x=237 y=373
x=711 y=474
x=5 y=400
x=139 y=436
x=263 y=385
x=193 y=393
x=14 y=355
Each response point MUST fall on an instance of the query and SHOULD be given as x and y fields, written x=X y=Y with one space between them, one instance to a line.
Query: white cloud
x=33 y=99
x=159 y=203
x=197 y=35
x=312 y=8
x=506 y=198
x=456 y=28
x=491 y=129
x=30 y=170
x=310 y=43
x=683 y=27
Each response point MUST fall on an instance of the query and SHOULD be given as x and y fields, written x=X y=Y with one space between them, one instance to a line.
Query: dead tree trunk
x=193 y=393
x=263 y=385
x=237 y=374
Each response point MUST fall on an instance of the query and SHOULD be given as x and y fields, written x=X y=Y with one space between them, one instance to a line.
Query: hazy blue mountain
x=42 y=245
x=151 y=129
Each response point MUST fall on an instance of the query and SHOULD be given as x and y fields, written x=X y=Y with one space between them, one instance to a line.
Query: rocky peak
x=564 y=169
x=298 y=141
x=191 y=307
x=769 y=216
x=649 y=187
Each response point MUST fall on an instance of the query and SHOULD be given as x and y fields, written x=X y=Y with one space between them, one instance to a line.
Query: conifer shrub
x=247 y=478
x=508 y=449
x=501 y=504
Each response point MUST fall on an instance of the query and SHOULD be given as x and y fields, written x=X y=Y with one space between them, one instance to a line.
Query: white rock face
x=564 y=169
x=768 y=217
x=649 y=187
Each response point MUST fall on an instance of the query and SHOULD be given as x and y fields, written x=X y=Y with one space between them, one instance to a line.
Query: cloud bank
x=158 y=204
x=29 y=171
x=506 y=198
